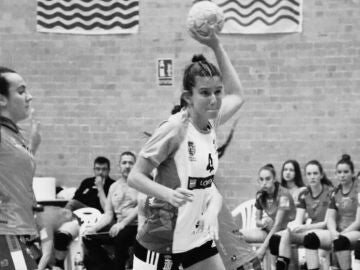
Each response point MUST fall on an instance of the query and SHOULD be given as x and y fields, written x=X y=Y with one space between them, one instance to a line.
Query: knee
x=311 y=241
x=341 y=243
x=357 y=250
x=274 y=244
x=62 y=240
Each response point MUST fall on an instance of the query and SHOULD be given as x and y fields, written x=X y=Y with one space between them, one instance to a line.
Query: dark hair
x=177 y=108
x=298 y=177
x=4 y=84
x=199 y=67
x=324 y=179
x=346 y=159
x=102 y=160
x=269 y=167
x=128 y=153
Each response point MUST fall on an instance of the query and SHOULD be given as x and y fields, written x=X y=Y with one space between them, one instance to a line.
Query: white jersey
x=184 y=157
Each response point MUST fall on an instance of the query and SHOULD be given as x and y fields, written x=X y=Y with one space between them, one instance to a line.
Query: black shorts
x=145 y=259
x=14 y=254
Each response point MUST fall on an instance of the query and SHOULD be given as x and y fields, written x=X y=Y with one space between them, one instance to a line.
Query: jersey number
x=210 y=166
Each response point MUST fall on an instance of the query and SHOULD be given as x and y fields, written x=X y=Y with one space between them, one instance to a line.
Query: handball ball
x=203 y=15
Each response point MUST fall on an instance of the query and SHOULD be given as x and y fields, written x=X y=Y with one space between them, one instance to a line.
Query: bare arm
x=331 y=222
x=276 y=227
x=258 y=218
x=233 y=99
x=140 y=180
x=300 y=215
x=107 y=217
x=46 y=249
x=100 y=192
x=35 y=136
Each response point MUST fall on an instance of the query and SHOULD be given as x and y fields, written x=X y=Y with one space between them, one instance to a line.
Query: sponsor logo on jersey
x=284 y=202
x=200 y=182
x=192 y=151
x=315 y=205
x=269 y=202
x=346 y=202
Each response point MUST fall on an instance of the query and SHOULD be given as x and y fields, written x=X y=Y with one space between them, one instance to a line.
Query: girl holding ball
x=183 y=203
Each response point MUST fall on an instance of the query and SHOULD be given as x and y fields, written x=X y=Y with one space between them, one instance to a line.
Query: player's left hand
x=209 y=223
x=298 y=229
x=260 y=253
x=116 y=228
x=211 y=40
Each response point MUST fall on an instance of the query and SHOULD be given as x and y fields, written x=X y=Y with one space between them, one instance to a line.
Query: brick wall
x=95 y=95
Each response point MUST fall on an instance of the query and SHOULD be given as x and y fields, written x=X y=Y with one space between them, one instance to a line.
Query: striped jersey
x=184 y=157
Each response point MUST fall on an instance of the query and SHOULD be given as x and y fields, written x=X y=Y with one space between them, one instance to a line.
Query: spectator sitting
x=92 y=192
x=121 y=203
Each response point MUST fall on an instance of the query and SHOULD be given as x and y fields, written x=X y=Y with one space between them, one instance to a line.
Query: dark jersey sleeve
x=301 y=200
x=80 y=190
x=332 y=204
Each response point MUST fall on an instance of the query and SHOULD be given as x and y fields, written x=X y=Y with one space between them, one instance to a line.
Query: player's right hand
x=180 y=196
x=267 y=223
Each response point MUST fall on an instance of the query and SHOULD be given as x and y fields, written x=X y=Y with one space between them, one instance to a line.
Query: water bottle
x=78 y=262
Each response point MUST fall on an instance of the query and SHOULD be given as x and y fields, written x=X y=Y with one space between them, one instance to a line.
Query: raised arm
x=100 y=191
x=233 y=98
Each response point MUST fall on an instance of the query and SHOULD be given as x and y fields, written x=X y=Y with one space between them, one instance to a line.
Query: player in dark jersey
x=277 y=203
x=343 y=220
x=312 y=204
x=17 y=168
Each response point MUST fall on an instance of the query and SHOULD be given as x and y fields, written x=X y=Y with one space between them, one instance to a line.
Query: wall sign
x=165 y=74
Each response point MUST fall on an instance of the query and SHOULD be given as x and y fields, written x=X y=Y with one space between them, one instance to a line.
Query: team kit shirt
x=315 y=207
x=345 y=205
x=281 y=199
x=184 y=157
x=17 y=168
x=123 y=200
